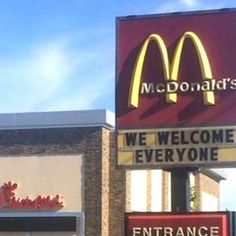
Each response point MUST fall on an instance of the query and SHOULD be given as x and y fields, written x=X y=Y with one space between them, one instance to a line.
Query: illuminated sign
x=175 y=70
x=9 y=200
x=177 y=147
x=189 y=224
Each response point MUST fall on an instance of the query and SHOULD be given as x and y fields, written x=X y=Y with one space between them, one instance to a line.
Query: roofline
x=57 y=119
x=215 y=174
x=132 y=17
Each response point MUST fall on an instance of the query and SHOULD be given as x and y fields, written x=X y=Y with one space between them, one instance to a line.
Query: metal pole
x=180 y=190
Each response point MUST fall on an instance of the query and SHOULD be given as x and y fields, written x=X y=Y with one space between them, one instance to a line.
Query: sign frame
x=225 y=219
x=170 y=66
x=166 y=148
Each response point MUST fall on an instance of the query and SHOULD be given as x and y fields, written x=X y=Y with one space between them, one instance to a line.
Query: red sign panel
x=189 y=224
x=176 y=70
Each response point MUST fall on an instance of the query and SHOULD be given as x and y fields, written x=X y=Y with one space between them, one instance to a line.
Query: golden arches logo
x=170 y=70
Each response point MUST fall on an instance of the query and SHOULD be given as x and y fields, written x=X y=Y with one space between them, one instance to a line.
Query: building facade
x=63 y=157
x=58 y=176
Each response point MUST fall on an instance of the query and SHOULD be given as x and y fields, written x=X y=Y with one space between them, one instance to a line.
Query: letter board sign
x=173 y=147
x=181 y=224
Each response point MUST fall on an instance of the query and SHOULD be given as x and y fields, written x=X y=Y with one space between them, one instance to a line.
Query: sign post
x=175 y=98
x=180 y=190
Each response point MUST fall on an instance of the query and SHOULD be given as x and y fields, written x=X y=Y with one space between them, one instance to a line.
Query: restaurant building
x=59 y=176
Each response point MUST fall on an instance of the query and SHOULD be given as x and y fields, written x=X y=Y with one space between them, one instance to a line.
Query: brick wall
x=205 y=184
x=117 y=196
x=104 y=185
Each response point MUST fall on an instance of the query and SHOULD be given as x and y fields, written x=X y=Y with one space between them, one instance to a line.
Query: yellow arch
x=138 y=67
x=208 y=96
x=170 y=74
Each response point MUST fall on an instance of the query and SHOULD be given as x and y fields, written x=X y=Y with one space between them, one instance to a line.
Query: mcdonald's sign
x=176 y=70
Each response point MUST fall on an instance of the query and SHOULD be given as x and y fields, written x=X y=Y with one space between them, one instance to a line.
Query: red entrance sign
x=189 y=224
x=9 y=200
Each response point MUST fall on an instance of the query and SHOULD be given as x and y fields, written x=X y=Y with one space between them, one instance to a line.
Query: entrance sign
x=176 y=80
x=184 y=224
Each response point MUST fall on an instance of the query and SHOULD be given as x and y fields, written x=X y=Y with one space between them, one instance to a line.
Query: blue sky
x=60 y=54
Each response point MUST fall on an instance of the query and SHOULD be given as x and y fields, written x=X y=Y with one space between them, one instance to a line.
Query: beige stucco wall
x=46 y=175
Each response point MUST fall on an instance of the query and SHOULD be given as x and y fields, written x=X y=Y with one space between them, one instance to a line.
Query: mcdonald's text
x=173 y=86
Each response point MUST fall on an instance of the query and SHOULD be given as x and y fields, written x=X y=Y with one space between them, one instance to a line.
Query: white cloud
x=189 y=3
x=85 y=96
x=48 y=66
x=33 y=76
x=59 y=74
